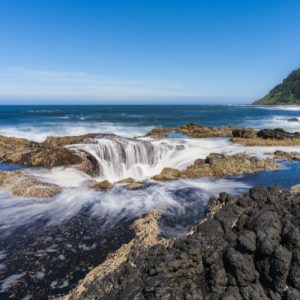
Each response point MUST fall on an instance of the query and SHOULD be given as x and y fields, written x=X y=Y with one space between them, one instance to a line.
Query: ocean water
x=46 y=246
x=37 y=122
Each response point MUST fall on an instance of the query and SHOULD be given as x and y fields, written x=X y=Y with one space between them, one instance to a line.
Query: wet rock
x=269 y=137
x=219 y=165
x=101 y=185
x=199 y=131
x=7 y=177
x=126 y=180
x=277 y=133
x=193 y=131
x=245 y=133
x=159 y=133
x=295 y=188
x=33 y=188
x=290 y=156
x=21 y=184
x=59 y=141
x=48 y=154
x=293 y=120
x=135 y=185
x=260 y=260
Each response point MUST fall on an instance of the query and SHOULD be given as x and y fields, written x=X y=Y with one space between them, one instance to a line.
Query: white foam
x=279 y=121
x=39 y=133
x=143 y=158
x=279 y=107
x=64 y=177
x=111 y=206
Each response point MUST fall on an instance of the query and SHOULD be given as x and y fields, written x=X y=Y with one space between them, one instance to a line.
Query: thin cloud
x=22 y=82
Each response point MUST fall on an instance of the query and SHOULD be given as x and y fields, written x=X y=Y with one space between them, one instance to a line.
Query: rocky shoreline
x=208 y=262
x=242 y=136
x=57 y=151
x=246 y=248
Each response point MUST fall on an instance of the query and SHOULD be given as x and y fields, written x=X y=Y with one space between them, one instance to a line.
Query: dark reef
x=248 y=248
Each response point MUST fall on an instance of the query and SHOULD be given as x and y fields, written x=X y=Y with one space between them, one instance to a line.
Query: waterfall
x=120 y=157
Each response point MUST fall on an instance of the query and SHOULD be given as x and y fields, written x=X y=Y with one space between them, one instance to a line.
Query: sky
x=145 y=51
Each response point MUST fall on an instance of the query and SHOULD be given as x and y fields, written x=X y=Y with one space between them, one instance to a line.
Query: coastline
x=104 y=213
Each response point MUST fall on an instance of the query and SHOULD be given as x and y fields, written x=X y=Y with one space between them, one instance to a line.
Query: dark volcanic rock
x=293 y=120
x=247 y=249
x=245 y=133
x=277 y=133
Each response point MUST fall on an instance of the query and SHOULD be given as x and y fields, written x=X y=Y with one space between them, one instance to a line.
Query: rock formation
x=219 y=165
x=247 y=248
x=289 y=156
x=48 y=154
x=193 y=131
x=243 y=136
x=23 y=185
x=101 y=185
x=269 y=137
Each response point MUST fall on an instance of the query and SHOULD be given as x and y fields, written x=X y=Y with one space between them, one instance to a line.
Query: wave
x=288 y=123
x=280 y=107
x=41 y=132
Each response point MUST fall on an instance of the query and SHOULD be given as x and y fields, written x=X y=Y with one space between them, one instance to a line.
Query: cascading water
x=120 y=157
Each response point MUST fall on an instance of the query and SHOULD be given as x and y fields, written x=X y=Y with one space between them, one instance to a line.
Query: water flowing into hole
x=120 y=157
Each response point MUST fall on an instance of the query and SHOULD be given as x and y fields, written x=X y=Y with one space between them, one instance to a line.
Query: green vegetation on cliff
x=286 y=93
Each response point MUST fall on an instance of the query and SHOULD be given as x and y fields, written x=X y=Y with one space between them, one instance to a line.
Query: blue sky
x=146 y=51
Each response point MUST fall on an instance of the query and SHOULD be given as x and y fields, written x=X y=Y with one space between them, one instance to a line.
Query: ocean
x=37 y=122
x=47 y=246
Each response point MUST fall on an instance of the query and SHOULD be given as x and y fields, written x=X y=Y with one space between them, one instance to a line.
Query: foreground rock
x=146 y=235
x=219 y=165
x=101 y=185
x=48 y=154
x=247 y=249
x=23 y=185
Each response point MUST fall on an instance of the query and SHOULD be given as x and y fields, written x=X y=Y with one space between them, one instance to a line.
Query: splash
x=114 y=205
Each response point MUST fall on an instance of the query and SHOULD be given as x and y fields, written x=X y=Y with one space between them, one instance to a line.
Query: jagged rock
x=277 y=133
x=256 y=259
x=101 y=185
x=159 y=133
x=7 y=177
x=21 y=184
x=291 y=156
x=146 y=231
x=199 y=131
x=34 y=188
x=219 y=165
x=295 y=188
x=126 y=181
x=245 y=133
x=48 y=154
x=293 y=120
x=269 y=137
x=59 y=141
x=135 y=185
x=192 y=130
